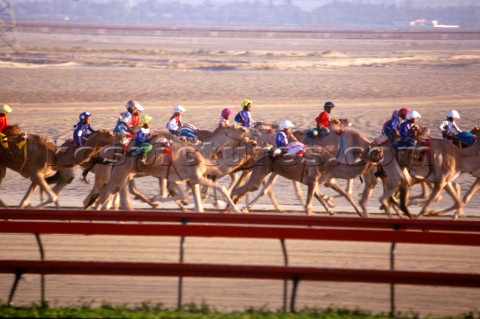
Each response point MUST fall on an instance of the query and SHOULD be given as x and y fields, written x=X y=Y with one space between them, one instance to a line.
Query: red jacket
x=3 y=123
x=323 y=119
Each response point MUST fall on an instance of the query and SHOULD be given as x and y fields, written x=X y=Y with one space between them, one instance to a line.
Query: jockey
x=449 y=128
x=283 y=143
x=82 y=128
x=4 y=110
x=122 y=124
x=225 y=120
x=323 y=119
x=142 y=141
x=409 y=130
x=390 y=128
x=244 y=117
x=134 y=109
x=175 y=121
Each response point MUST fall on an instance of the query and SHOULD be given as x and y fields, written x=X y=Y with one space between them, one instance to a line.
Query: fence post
x=296 y=280
x=180 y=279
x=392 y=267
x=42 y=276
x=285 y=282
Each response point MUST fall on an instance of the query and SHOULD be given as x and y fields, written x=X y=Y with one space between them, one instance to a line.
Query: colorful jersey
x=406 y=130
x=3 y=123
x=143 y=136
x=224 y=122
x=391 y=125
x=323 y=119
x=244 y=118
x=135 y=120
x=449 y=128
x=174 y=123
x=80 y=133
x=281 y=139
x=121 y=127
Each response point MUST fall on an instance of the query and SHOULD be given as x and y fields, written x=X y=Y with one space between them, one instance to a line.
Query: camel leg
x=124 y=198
x=197 y=198
x=311 y=187
x=321 y=199
x=266 y=188
x=437 y=189
x=332 y=184
x=132 y=188
x=299 y=193
x=453 y=189
x=3 y=172
x=52 y=197
x=223 y=190
x=475 y=186
x=26 y=198
x=370 y=181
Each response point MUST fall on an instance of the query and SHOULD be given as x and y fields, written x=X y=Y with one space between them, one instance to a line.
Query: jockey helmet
x=145 y=119
x=178 y=108
x=328 y=105
x=246 y=102
x=134 y=105
x=5 y=109
x=453 y=114
x=285 y=124
x=403 y=111
x=226 y=112
x=126 y=117
x=84 y=115
x=413 y=115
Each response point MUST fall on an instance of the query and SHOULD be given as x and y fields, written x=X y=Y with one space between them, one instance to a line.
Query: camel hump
x=12 y=129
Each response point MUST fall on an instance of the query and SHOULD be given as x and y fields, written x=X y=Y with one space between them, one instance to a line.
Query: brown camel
x=316 y=167
x=35 y=157
x=179 y=162
x=229 y=148
x=346 y=146
x=441 y=166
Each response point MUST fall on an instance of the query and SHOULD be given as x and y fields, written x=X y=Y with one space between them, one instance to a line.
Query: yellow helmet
x=5 y=109
x=246 y=102
x=145 y=119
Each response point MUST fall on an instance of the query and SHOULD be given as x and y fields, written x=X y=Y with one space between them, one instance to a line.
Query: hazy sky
x=312 y=4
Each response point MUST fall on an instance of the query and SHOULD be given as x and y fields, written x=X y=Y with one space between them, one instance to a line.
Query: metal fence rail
x=153 y=223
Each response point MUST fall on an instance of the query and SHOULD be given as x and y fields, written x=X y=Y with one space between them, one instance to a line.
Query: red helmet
x=403 y=112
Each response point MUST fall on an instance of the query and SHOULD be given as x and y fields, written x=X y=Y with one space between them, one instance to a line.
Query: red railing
x=153 y=223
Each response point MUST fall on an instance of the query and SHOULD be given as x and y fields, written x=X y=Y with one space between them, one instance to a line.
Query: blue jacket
x=244 y=117
x=406 y=130
x=80 y=132
x=121 y=127
x=392 y=124
x=142 y=136
x=282 y=139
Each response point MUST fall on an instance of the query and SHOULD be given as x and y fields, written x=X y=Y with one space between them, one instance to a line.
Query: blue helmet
x=84 y=115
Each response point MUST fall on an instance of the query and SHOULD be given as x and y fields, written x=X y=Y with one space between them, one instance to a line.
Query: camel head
x=12 y=130
x=476 y=130
x=373 y=154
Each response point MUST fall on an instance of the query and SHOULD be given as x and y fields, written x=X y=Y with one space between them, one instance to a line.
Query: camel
x=345 y=145
x=316 y=167
x=179 y=162
x=440 y=167
x=35 y=157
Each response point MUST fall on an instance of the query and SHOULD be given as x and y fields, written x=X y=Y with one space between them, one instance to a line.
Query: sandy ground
x=57 y=76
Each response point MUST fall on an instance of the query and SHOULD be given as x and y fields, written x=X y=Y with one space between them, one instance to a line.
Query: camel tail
x=361 y=179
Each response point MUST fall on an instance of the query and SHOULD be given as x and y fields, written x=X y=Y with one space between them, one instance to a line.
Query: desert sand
x=58 y=75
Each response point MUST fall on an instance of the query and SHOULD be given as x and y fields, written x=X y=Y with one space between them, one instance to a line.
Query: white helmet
x=285 y=124
x=178 y=108
x=453 y=113
x=134 y=105
x=413 y=115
